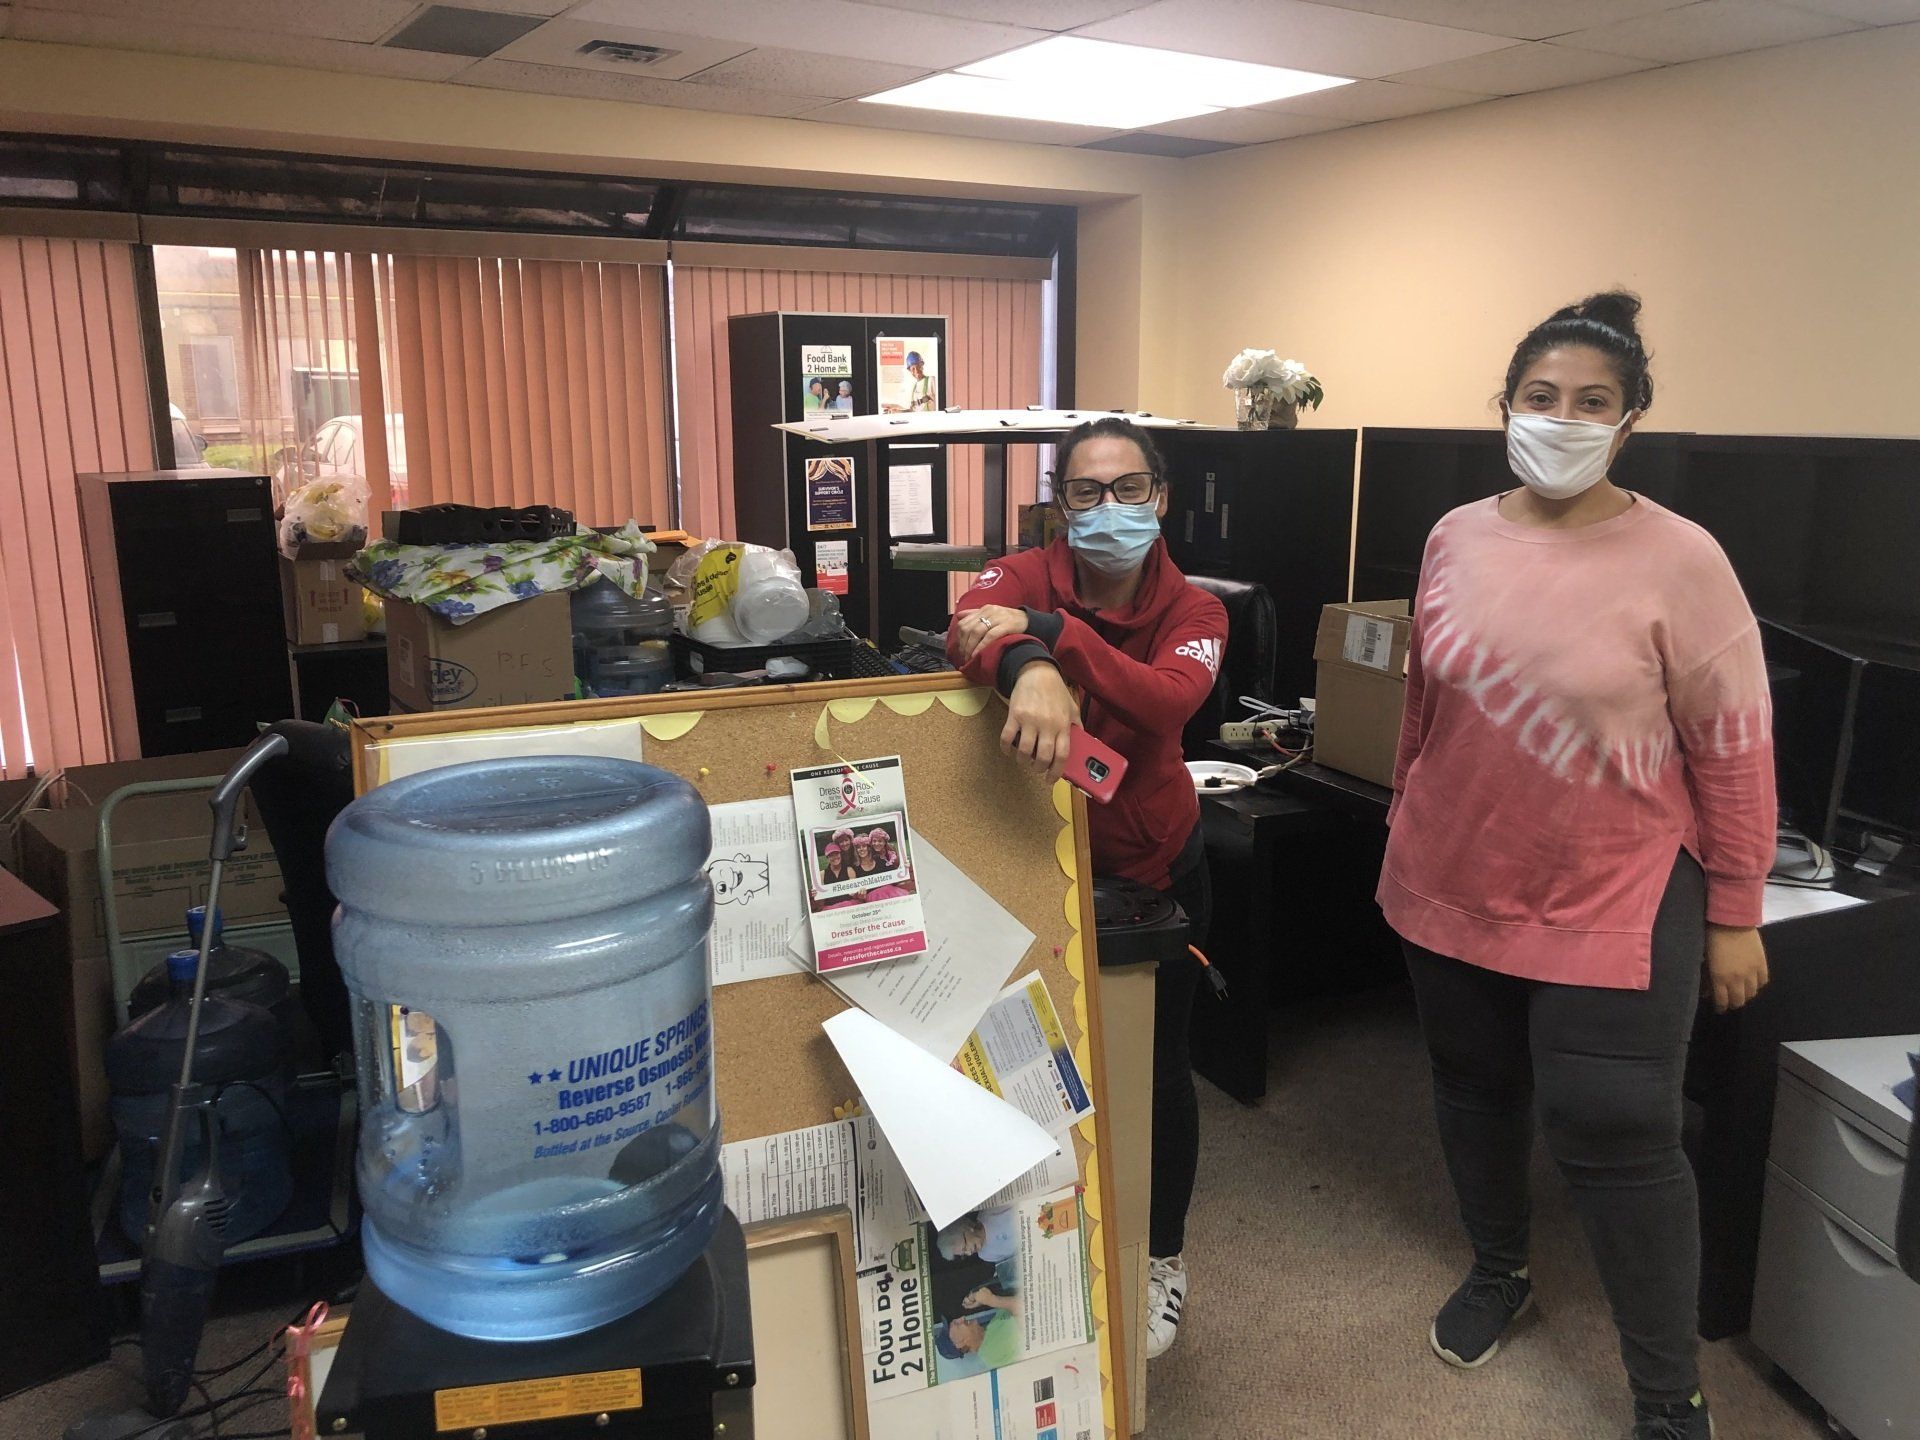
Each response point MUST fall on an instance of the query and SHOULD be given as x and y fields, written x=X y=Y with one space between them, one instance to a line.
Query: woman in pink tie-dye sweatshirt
x=1583 y=816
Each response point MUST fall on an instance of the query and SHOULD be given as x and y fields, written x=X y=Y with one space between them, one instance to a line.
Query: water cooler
x=525 y=943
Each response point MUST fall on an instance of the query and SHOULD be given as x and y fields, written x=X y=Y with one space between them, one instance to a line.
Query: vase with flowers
x=1269 y=391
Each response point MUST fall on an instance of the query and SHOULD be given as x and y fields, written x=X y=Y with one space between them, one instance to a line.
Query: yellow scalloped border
x=1092 y=1202
x=670 y=727
x=848 y=712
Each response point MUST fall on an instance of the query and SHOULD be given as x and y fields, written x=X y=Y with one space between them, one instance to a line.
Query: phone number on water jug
x=562 y=1124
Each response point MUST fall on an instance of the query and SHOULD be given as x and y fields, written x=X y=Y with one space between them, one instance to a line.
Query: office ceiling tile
x=1054 y=15
x=563 y=42
x=1517 y=19
x=900 y=37
x=1248 y=127
x=329 y=20
x=795 y=72
x=1369 y=100
x=978 y=127
x=1713 y=27
x=1295 y=34
x=1145 y=142
x=170 y=37
x=497 y=74
x=1867 y=12
x=1524 y=68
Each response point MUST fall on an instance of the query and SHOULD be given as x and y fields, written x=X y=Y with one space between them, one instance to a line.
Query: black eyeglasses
x=1135 y=489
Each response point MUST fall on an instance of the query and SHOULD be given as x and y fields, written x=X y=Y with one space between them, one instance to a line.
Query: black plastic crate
x=831 y=658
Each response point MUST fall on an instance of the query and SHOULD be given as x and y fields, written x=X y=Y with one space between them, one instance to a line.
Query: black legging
x=1176 y=1109
x=1603 y=1069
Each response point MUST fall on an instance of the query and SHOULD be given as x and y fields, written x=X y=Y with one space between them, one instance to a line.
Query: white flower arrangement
x=1291 y=382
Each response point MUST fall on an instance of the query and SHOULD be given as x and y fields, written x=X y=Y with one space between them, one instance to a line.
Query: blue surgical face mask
x=1114 y=539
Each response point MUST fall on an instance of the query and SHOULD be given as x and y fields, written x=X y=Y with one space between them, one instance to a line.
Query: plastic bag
x=730 y=593
x=326 y=512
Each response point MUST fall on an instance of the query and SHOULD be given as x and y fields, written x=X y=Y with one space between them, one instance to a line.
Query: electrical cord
x=213 y=1406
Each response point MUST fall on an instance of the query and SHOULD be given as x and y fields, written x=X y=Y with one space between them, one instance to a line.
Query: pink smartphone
x=1094 y=767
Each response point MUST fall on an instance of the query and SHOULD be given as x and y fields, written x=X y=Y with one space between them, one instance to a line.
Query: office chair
x=1247 y=666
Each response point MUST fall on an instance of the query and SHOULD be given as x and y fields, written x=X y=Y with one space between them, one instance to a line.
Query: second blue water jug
x=526 y=945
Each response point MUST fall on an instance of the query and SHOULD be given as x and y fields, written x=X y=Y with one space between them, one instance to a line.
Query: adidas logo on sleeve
x=1206 y=650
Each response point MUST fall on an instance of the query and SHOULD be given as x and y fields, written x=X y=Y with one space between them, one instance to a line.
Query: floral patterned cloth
x=458 y=582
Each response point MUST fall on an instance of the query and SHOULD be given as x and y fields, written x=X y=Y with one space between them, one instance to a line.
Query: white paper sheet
x=844 y=1162
x=957 y=1143
x=936 y=999
x=909 y=500
x=1782 y=902
x=618 y=739
x=758 y=901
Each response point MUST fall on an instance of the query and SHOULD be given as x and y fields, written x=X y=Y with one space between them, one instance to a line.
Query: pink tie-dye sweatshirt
x=1581 y=704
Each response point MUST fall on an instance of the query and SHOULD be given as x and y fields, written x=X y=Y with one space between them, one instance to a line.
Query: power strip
x=1249 y=731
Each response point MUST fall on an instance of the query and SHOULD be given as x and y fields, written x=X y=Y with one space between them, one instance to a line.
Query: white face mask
x=1560 y=458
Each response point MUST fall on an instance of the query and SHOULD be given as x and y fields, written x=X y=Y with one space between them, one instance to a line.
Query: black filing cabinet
x=186 y=601
x=1272 y=506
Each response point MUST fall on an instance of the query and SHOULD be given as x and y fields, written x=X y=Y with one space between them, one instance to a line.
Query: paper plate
x=1211 y=777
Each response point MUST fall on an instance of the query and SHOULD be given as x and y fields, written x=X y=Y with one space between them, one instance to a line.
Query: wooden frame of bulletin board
x=1023 y=842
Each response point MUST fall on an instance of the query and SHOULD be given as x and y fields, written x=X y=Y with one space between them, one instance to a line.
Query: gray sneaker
x=1468 y=1328
x=1688 y=1420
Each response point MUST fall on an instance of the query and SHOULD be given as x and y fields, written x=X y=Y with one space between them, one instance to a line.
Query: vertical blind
x=73 y=399
x=994 y=333
x=533 y=381
x=477 y=380
x=303 y=316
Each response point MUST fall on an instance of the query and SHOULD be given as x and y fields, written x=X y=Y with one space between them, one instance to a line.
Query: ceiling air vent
x=451 y=30
x=623 y=52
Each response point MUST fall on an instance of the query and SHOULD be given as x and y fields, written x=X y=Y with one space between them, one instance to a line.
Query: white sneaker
x=1166 y=1295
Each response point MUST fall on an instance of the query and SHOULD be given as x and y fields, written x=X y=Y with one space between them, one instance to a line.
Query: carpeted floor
x=1321 y=1240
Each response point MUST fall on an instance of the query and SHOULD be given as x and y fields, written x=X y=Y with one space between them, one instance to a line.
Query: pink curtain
x=993 y=340
x=73 y=399
x=530 y=382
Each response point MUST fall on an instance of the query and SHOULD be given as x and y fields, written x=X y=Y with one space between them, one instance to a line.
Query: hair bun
x=1617 y=309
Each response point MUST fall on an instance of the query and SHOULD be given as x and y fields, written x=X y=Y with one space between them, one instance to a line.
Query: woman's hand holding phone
x=1041 y=714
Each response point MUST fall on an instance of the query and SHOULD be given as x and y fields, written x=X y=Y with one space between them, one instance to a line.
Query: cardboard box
x=322 y=605
x=517 y=655
x=160 y=868
x=1361 y=655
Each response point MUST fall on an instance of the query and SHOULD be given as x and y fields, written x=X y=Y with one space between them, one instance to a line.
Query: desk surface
x=1310 y=780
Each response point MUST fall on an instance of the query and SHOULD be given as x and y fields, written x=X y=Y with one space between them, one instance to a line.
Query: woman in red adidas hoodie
x=1105 y=611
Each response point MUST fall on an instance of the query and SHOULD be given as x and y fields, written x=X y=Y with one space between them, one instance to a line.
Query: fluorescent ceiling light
x=1061 y=104
x=1205 y=80
x=1071 y=81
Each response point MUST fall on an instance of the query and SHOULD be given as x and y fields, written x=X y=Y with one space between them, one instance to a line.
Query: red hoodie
x=1144 y=670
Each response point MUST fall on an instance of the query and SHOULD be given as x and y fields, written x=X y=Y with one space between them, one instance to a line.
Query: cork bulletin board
x=1022 y=841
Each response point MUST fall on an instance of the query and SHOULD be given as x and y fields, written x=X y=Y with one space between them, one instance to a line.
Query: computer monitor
x=1880 y=794
x=1814 y=688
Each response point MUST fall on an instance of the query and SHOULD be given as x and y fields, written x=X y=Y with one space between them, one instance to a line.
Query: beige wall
x=1125 y=340
x=1766 y=206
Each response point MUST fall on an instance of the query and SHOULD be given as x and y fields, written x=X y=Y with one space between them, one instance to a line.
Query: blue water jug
x=241 y=1052
x=526 y=945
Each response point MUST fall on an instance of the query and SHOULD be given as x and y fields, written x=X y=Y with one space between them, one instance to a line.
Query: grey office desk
x=1831 y=1307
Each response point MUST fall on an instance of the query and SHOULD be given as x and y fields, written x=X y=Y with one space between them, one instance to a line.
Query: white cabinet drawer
x=1837 y=1315
x=1838 y=1157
